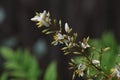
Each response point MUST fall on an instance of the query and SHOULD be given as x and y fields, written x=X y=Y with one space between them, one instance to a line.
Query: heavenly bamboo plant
x=89 y=66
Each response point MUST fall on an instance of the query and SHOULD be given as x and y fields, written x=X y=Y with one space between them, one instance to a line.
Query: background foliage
x=22 y=65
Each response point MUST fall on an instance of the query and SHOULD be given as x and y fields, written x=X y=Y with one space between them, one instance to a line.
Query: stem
x=96 y=49
x=100 y=56
x=97 y=68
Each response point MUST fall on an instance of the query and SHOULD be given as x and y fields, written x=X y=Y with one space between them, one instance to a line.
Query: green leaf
x=20 y=64
x=92 y=72
x=109 y=57
x=34 y=71
x=7 y=53
x=18 y=74
x=26 y=59
x=12 y=65
x=51 y=72
x=4 y=76
x=19 y=55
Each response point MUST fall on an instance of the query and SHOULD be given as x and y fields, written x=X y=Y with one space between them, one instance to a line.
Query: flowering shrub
x=90 y=67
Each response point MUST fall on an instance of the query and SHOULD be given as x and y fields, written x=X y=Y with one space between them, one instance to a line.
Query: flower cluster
x=89 y=66
x=62 y=38
x=43 y=19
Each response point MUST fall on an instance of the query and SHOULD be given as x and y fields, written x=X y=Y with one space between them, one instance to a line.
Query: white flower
x=58 y=37
x=36 y=18
x=84 y=46
x=82 y=66
x=42 y=19
x=67 y=29
x=117 y=71
x=96 y=62
x=81 y=69
x=81 y=74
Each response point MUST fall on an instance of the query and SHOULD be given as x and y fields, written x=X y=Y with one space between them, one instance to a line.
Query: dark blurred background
x=87 y=17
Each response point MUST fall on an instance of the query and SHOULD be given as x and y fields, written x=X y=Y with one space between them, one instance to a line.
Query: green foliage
x=4 y=76
x=51 y=71
x=19 y=65
x=109 y=57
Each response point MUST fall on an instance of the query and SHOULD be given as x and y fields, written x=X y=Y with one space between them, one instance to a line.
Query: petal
x=67 y=27
x=95 y=62
x=83 y=45
x=60 y=36
x=36 y=18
